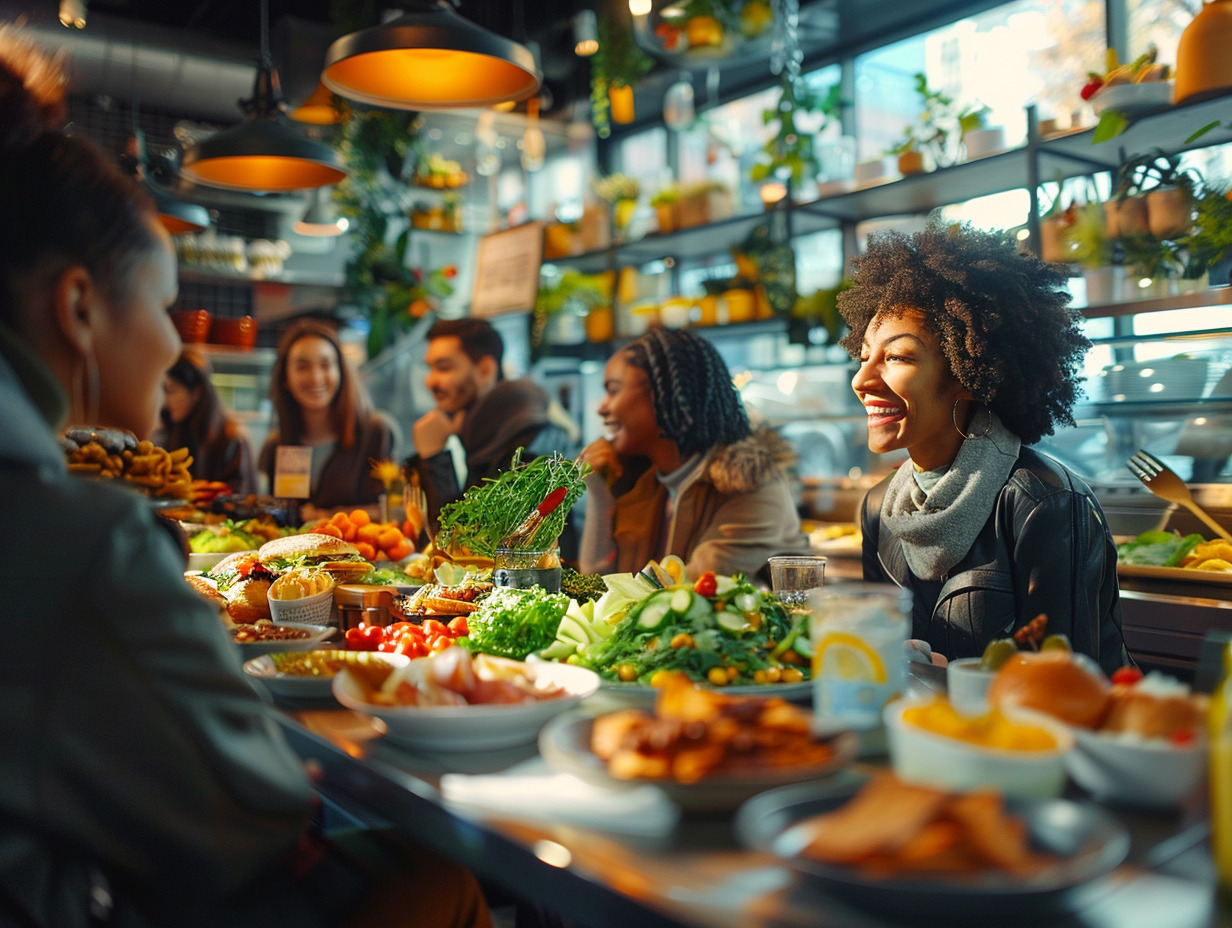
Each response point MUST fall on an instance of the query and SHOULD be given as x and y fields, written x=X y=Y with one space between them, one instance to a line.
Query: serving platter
x=1184 y=574
x=317 y=635
x=265 y=669
x=1085 y=840
x=642 y=696
x=565 y=744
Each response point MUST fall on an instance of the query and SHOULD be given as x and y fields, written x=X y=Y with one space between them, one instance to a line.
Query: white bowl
x=1150 y=773
x=1133 y=98
x=479 y=727
x=925 y=757
x=317 y=635
x=264 y=669
x=206 y=561
x=968 y=685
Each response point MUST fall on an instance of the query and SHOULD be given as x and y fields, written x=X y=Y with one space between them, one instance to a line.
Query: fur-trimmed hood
x=750 y=463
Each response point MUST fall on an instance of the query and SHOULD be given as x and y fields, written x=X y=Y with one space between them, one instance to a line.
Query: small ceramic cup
x=968 y=685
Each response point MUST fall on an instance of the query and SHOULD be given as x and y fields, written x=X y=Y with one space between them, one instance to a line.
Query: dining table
x=618 y=859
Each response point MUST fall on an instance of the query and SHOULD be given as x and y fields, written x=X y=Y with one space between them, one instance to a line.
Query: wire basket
x=311 y=610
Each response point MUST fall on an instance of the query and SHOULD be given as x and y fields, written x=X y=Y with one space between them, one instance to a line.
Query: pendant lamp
x=262 y=154
x=430 y=58
x=318 y=109
x=321 y=219
x=175 y=215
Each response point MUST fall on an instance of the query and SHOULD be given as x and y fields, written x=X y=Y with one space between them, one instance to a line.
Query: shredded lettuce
x=514 y=623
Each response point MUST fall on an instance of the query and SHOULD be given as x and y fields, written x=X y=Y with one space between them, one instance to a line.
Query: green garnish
x=490 y=512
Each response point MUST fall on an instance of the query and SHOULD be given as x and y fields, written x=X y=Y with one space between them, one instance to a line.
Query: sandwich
x=437 y=599
x=314 y=550
x=208 y=590
x=244 y=583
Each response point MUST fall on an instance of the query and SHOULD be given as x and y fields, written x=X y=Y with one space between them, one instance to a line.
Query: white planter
x=981 y=142
x=1103 y=284
x=868 y=171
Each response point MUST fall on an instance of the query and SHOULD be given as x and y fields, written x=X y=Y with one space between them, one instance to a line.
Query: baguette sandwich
x=314 y=550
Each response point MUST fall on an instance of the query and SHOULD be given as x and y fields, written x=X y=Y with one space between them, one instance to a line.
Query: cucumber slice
x=682 y=599
x=731 y=621
x=803 y=646
x=699 y=608
x=723 y=585
x=748 y=602
x=656 y=608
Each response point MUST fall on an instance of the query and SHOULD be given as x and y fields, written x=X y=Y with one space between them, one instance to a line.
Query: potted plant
x=942 y=124
x=571 y=296
x=1091 y=247
x=622 y=192
x=614 y=70
x=664 y=203
x=910 y=158
x=1208 y=243
x=1150 y=263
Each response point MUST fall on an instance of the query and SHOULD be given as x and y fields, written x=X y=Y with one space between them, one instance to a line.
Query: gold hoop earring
x=973 y=436
x=93 y=394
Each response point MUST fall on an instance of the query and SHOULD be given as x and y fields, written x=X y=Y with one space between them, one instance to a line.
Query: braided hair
x=695 y=402
x=1002 y=319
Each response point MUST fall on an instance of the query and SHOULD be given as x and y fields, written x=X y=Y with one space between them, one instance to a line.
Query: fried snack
x=891 y=828
x=159 y=472
x=696 y=733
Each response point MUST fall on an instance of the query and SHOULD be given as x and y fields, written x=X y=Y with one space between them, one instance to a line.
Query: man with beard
x=491 y=416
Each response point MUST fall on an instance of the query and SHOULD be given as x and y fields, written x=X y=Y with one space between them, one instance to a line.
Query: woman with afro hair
x=968 y=354
x=680 y=470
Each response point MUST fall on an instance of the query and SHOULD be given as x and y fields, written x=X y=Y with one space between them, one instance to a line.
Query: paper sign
x=293 y=471
x=507 y=271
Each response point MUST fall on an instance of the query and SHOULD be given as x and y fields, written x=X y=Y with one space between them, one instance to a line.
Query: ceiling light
x=175 y=215
x=430 y=59
x=321 y=218
x=262 y=154
x=73 y=13
x=639 y=7
x=318 y=109
x=585 y=33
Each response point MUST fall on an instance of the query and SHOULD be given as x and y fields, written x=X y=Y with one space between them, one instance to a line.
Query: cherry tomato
x=707 y=584
x=1182 y=739
x=432 y=627
x=374 y=635
x=1127 y=676
x=355 y=639
x=459 y=626
x=412 y=648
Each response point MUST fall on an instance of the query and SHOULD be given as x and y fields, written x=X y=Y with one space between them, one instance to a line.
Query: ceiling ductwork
x=112 y=57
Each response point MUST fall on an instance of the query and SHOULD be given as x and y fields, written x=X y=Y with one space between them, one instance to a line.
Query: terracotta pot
x=1203 y=65
x=1053 y=247
x=1126 y=217
x=911 y=162
x=708 y=307
x=1169 y=211
x=600 y=324
x=741 y=305
x=666 y=215
x=238 y=333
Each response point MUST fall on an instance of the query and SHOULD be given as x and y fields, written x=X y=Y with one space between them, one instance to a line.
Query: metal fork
x=1164 y=483
x=417 y=499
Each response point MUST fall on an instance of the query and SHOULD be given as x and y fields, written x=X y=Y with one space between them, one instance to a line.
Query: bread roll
x=1054 y=682
x=248 y=601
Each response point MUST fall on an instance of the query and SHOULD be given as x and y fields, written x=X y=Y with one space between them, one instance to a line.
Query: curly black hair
x=695 y=402
x=1002 y=319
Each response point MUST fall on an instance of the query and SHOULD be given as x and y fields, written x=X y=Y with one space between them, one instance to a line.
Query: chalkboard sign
x=507 y=271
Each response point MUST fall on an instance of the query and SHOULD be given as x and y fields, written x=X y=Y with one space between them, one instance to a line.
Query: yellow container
x=621 y=98
x=600 y=325
x=1203 y=66
x=708 y=307
x=741 y=305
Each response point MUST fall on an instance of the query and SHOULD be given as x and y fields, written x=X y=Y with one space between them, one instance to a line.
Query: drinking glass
x=857 y=631
x=792 y=576
x=521 y=569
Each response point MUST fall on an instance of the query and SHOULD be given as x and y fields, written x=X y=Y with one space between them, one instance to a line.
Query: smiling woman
x=968 y=354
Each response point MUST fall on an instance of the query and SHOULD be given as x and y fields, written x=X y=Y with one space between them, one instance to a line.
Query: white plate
x=474 y=728
x=265 y=670
x=1186 y=574
x=641 y=696
x=1133 y=98
x=316 y=635
x=565 y=745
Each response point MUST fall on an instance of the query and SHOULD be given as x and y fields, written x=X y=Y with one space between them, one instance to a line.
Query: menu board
x=507 y=271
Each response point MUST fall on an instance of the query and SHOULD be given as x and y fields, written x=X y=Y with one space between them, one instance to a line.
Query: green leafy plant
x=665 y=196
x=615 y=187
x=571 y=289
x=619 y=62
x=1209 y=240
x=1147 y=256
x=941 y=125
x=790 y=150
x=1141 y=173
x=1088 y=236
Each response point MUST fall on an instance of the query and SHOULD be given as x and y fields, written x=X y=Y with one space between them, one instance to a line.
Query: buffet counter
x=647 y=868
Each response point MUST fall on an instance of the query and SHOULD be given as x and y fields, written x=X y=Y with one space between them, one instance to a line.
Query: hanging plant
x=381 y=149
x=619 y=63
x=789 y=150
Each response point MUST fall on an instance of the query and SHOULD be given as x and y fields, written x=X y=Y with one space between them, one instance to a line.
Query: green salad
x=1157 y=549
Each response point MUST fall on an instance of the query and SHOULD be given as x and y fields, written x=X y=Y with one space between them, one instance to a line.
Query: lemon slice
x=843 y=655
x=673 y=566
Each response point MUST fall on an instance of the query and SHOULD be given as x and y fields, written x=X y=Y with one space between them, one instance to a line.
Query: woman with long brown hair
x=322 y=404
x=194 y=417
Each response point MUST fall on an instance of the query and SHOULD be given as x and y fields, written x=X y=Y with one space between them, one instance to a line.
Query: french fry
x=84 y=467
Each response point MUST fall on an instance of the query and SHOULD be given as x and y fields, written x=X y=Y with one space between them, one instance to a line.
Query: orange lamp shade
x=621 y=98
x=318 y=109
x=262 y=155
x=430 y=59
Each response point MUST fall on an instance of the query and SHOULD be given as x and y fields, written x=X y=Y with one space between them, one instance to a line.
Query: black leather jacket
x=1046 y=548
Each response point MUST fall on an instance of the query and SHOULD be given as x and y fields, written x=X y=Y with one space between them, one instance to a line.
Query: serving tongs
x=1163 y=481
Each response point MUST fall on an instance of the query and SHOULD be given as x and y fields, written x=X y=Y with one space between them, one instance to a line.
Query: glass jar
x=518 y=570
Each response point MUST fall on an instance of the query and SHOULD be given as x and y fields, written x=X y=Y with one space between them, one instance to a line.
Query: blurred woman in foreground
x=145 y=783
x=713 y=492
x=194 y=417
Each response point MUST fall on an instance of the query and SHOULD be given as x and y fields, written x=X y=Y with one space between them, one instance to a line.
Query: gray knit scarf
x=937 y=528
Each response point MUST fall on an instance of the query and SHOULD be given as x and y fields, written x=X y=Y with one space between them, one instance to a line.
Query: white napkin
x=533 y=790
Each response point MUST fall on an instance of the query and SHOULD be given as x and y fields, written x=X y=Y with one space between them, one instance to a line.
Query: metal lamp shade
x=320 y=219
x=178 y=216
x=318 y=109
x=430 y=60
x=260 y=154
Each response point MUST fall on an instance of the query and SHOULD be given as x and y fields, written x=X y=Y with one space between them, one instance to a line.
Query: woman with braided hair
x=708 y=488
x=968 y=355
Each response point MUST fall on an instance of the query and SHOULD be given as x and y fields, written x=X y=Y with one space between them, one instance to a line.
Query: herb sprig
x=489 y=512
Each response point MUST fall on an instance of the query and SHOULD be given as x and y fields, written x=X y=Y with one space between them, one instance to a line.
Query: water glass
x=857 y=631
x=518 y=569
x=792 y=576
